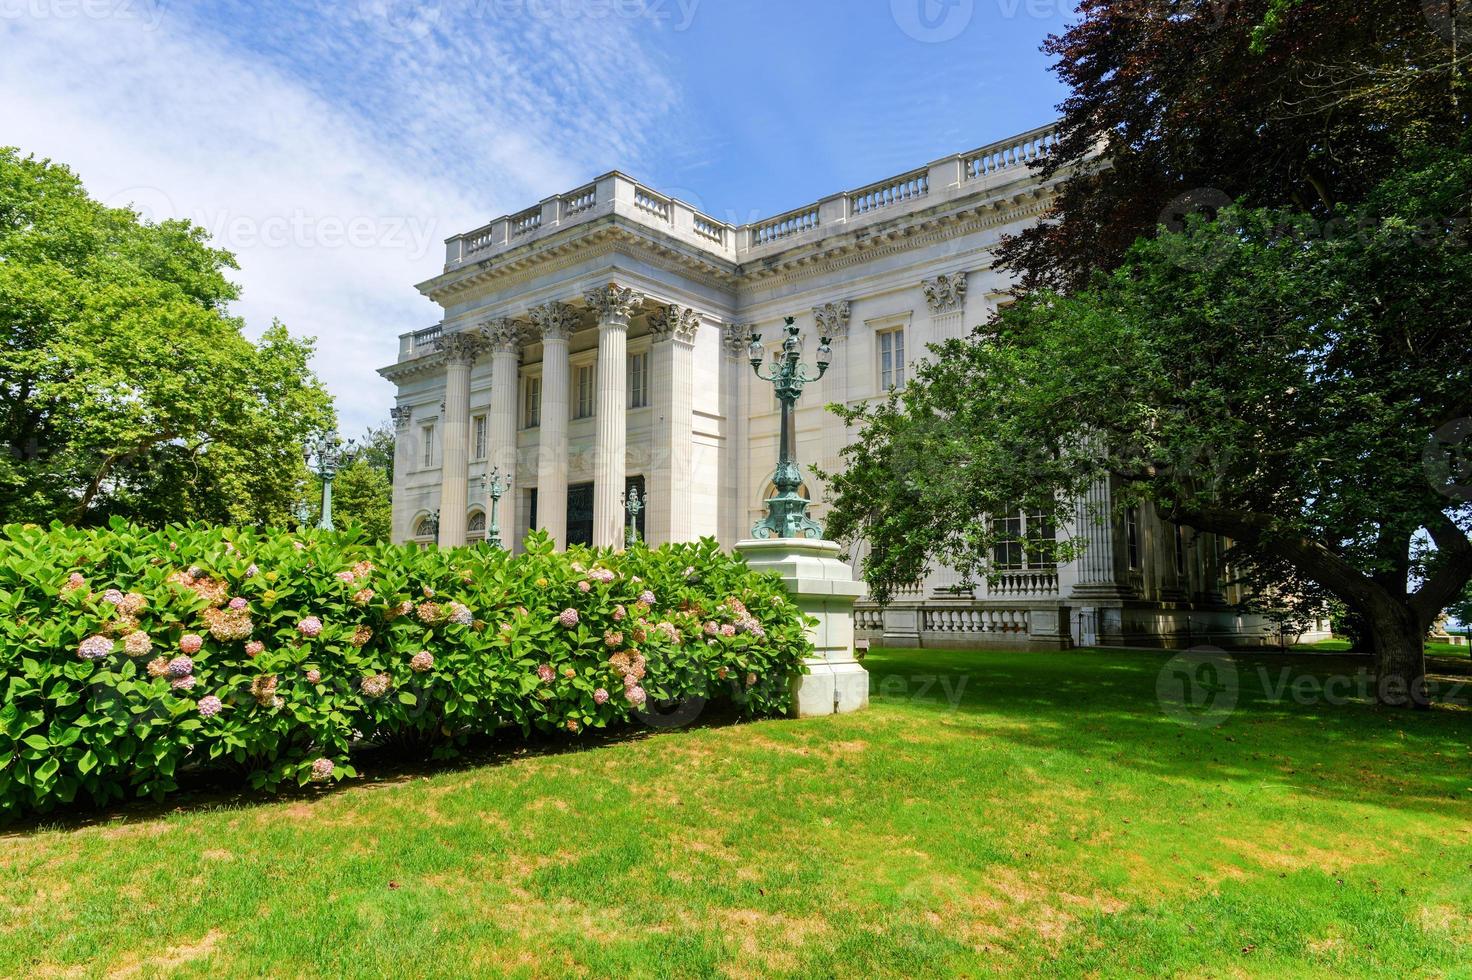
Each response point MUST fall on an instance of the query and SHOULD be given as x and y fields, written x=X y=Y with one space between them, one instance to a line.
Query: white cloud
x=334 y=147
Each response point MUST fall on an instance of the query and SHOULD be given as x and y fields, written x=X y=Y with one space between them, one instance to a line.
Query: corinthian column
x=503 y=337
x=461 y=350
x=673 y=370
x=402 y=415
x=614 y=305
x=556 y=322
x=735 y=518
x=946 y=297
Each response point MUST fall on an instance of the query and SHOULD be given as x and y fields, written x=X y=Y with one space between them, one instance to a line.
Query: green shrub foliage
x=127 y=656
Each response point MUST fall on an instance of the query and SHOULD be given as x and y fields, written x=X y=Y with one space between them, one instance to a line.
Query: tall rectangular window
x=587 y=385
x=1007 y=552
x=891 y=360
x=1180 y=549
x=639 y=380
x=478 y=444
x=1132 y=536
x=426 y=436
x=1042 y=542
x=533 y=413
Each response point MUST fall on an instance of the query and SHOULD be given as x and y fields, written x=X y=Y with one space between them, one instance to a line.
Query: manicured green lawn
x=1053 y=820
x=1432 y=649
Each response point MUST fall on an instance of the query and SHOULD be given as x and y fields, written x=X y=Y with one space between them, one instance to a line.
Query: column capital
x=401 y=414
x=735 y=338
x=946 y=293
x=502 y=335
x=461 y=348
x=554 y=321
x=832 y=319
x=674 y=322
x=614 y=304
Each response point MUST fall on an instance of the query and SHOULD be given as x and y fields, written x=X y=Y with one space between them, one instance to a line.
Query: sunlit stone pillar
x=503 y=337
x=735 y=522
x=460 y=350
x=556 y=322
x=614 y=306
x=404 y=455
x=832 y=322
x=673 y=373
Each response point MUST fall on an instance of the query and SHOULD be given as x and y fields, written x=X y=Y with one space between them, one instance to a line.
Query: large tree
x=1262 y=376
x=1193 y=103
x=128 y=388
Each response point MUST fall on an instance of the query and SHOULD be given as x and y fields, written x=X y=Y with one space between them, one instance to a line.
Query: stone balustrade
x=1040 y=583
x=983 y=169
x=964 y=623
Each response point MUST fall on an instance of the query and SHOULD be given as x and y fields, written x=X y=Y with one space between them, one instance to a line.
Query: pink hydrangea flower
x=422 y=662
x=669 y=632
x=377 y=685
x=252 y=571
x=314 y=676
x=76 y=581
x=348 y=577
x=712 y=629
x=546 y=673
x=255 y=648
x=600 y=696
x=613 y=638
x=636 y=695
x=138 y=644
x=311 y=627
x=209 y=706
x=428 y=592
x=322 y=770
x=190 y=644
x=573 y=726
x=603 y=575
x=113 y=597
x=181 y=667
x=238 y=603
x=461 y=615
x=569 y=618
x=585 y=586
x=619 y=614
x=362 y=597
x=95 y=648
x=647 y=597
x=182 y=683
x=728 y=630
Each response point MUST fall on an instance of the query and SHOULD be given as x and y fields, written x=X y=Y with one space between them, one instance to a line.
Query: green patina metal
x=632 y=506
x=494 y=486
x=787 y=512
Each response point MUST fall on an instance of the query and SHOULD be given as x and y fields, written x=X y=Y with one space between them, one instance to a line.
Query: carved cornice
x=402 y=415
x=946 y=294
x=614 y=304
x=832 y=319
x=674 y=322
x=502 y=335
x=555 y=321
x=735 y=337
x=461 y=348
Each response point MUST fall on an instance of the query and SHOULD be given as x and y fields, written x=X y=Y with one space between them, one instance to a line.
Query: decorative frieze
x=832 y=319
x=461 y=348
x=555 y=321
x=401 y=414
x=674 y=323
x=946 y=293
x=614 y=304
x=502 y=335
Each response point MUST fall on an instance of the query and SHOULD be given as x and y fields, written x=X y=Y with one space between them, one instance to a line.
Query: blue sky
x=333 y=145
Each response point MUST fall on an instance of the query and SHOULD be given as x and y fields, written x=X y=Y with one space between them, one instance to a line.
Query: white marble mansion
x=598 y=341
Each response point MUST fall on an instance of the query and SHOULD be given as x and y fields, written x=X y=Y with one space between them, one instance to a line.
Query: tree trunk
x=1398 y=641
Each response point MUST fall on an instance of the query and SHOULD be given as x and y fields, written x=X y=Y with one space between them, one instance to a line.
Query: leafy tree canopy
x=128 y=389
x=1263 y=376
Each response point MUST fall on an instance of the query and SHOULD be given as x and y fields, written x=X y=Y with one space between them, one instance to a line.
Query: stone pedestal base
x=824 y=588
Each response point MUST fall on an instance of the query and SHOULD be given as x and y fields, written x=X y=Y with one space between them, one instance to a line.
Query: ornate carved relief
x=946 y=294
x=555 y=321
x=832 y=319
x=614 y=303
x=503 y=335
x=461 y=348
x=735 y=337
x=401 y=414
x=674 y=323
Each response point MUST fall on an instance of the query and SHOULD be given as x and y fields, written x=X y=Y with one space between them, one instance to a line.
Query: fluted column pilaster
x=1100 y=572
x=615 y=306
x=404 y=454
x=460 y=351
x=735 y=370
x=556 y=322
x=673 y=369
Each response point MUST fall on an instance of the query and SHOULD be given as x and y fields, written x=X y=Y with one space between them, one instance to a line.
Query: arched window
x=426 y=531
x=475 y=526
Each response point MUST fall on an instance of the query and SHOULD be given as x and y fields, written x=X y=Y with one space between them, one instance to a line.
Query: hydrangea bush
x=128 y=655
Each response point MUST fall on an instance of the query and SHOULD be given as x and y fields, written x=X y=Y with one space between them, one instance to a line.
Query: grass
x=1432 y=649
x=992 y=812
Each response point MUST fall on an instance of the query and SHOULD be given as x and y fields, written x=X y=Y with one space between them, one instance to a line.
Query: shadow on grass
x=203 y=791
x=1105 y=705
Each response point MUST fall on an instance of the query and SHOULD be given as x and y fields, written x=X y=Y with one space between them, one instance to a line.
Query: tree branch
x=1442 y=588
